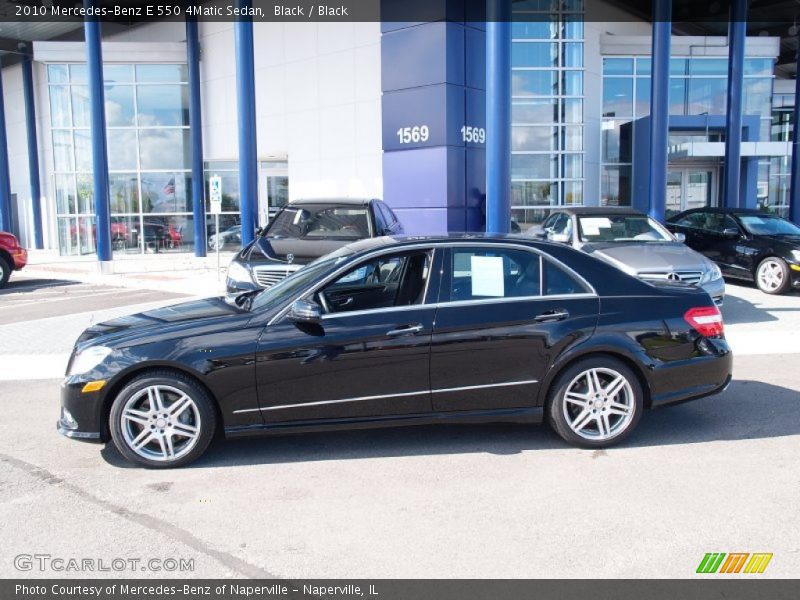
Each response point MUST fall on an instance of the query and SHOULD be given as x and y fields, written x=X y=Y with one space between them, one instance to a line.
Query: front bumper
x=87 y=413
x=794 y=275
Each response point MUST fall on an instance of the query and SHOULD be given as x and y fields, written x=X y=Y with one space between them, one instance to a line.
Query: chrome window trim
x=379 y=396
x=436 y=246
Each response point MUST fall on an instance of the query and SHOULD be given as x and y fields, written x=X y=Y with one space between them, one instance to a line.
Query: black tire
x=573 y=376
x=5 y=272
x=782 y=272
x=203 y=413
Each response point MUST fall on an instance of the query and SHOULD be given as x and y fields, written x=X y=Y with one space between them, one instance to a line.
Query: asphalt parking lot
x=717 y=475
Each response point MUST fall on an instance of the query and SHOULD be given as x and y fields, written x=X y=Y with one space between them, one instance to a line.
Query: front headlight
x=88 y=359
x=238 y=272
x=711 y=274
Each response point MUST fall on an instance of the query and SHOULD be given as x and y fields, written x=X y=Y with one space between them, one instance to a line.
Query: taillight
x=706 y=320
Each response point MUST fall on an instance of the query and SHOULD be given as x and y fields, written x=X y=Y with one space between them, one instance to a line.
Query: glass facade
x=698 y=86
x=547 y=107
x=147 y=121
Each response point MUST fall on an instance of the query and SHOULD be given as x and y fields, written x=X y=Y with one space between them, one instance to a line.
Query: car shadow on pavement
x=17 y=286
x=747 y=410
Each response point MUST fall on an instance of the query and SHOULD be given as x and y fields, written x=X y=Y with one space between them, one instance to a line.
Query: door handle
x=558 y=314
x=406 y=330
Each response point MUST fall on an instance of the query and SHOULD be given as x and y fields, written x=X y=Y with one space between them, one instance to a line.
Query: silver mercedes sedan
x=634 y=243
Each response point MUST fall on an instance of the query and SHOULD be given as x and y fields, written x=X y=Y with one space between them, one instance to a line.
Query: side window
x=549 y=221
x=383 y=282
x=696 y=220
x=483 y=273
x=557 y=281
x=381 y=223
x=563 y=224
x=729 y=223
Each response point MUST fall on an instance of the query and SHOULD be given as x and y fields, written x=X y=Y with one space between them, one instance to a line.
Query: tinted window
x=483 y=273
x=384 y=282
x=312 y=222
x=696 y=220
x=559 y=281
x=715 y=222
x=381 y=223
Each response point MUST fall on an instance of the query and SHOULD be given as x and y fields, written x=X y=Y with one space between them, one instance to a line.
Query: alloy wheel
x=770 y=275
x=160 y=423
x=599 y=404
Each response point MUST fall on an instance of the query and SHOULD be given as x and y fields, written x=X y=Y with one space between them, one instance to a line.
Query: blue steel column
x=737 y=29
x=33 y=148
x=245 y=102
x=94 y=63
x=659 y=109
x=794 y=186
x=196 y=122
x=5 y=181
x=498 y=116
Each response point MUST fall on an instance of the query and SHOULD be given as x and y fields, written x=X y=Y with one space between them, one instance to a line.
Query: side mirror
x=731 y=232
x=562 y=238
x=680 y=237
x=305 y=311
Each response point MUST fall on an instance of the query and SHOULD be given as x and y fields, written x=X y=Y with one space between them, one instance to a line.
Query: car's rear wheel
x=772 y=275
x=595 y=402
x=162 y=419
x=5 y=272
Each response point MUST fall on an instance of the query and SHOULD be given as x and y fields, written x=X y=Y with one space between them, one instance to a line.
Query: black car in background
x=393 y=331
x=303 y=231
x=746 y=244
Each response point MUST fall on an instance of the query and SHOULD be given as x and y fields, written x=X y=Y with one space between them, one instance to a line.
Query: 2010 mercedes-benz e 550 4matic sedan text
x=395 y=332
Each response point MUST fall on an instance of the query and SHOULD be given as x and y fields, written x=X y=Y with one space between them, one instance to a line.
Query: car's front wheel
x=595 y=402
x=772 y=275
x=162 y=419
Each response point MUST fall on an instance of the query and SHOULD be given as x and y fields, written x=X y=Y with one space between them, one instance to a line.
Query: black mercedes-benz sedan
x=400 y=331
x=301 y=232
x=746 y=244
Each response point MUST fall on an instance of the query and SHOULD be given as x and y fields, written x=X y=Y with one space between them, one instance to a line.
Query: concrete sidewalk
x=180 y=273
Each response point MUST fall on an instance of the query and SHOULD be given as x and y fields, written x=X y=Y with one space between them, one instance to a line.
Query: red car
x=12 y=256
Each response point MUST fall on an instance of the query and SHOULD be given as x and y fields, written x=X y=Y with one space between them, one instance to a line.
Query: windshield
x=768 y=225
x=294 y=283
x=315 y=222
x=621 y=228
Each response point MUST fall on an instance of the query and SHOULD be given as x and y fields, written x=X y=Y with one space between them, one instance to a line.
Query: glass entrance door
x=691 y=187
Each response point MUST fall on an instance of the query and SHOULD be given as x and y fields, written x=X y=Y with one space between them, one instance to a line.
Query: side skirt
x=506 y=415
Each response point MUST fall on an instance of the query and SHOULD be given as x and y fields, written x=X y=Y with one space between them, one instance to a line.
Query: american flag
x=169 y=187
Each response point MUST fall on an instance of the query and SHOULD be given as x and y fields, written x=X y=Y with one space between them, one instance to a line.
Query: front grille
x=692 y=277
x=268 y=276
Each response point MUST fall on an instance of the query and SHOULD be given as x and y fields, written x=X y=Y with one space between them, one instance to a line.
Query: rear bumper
x=20 y=256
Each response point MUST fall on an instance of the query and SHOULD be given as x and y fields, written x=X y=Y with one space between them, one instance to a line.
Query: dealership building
x=390 y=110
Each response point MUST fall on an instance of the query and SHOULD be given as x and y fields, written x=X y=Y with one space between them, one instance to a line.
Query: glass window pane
x=59 y=106
x=533 y=166
x=230 y=189
x=77 y=73
x=533 y=193
x=533 y=112
x=758 y=66
x=615 y=185
x=83 y=150
x=642 y=107
x=541 y=30
x=572 y=5
x=534 y=54
x=119 y=105
x=757 y=94
x=617 y=97
x=164 y=148
x=87 y=229
x=573 y=27
x=125 y=233
x=57 y=74
x=677 y=66
x=643 y=66
x=573 y=54
x=677 y=96
x=62 y=150
x=122 y=149
x=535 y=5
x=117 y=73
x=573 y=192
x=572 y=109
x=708 y=66
x=533 y=138
x=617 y=66
x=124 y=192
x=65 y=194
x=573 y=166
x=159 y=73
x=573 y=137
x=162 y=105
x=165 y=193
x=80 y=106
x=534 y=83
x=707 y=96
x=616 y=139
x=67 y=237
x=573 y=83
x=85 y=187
